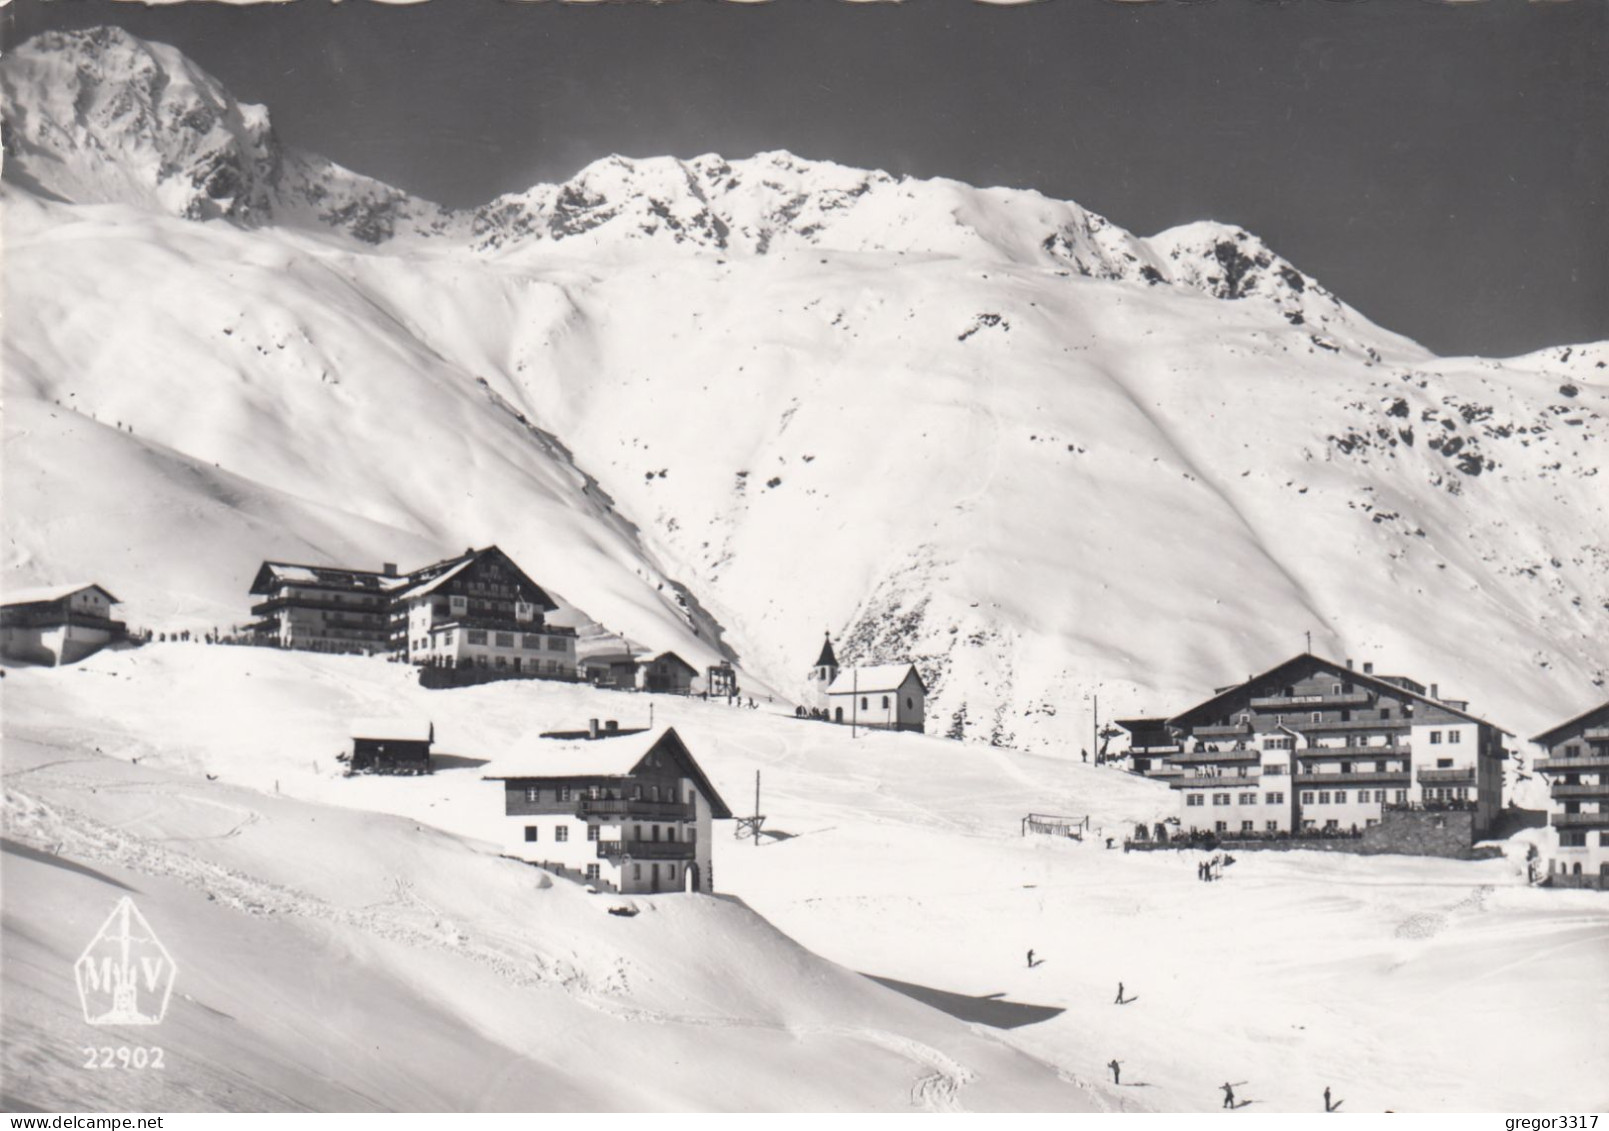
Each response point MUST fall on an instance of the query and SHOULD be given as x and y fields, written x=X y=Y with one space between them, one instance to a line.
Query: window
x=863 y=703
x=1380 y=795
x=532 y=794
x=1286 y=743
x=885 y=702
x=636 y=871
x=1220 y=799
x=505 y=640
x=530 y=833
x=1248 y=799
x=910 y=703
x=1274 y=769
x=1444 y=763
x=524 y=610
x=1247 y=826
x=670 y=832
x=532 y=642
x=638 y=833
x=1435 y=738
x=592 y=872
x=447 y=637
x=1318 y=716
x=592 y=832
x=480 y=661
x=1192 y=799
x=1221 y=826
x=1603 y=839
x=1455 y=736
x=458 y=605
x=1309 y=824
x=1335 y=689
x=1385 y=712
x=1402 y=797
x=476 y=635
x=1370 y=822
x=1276 y=798
x=1271 y=826
x=564 y=793
x=1324 y=797
x=502 y=663
x=556 y=644
x=562 y=833
x=1332 y=823
x=1340 y=797
x=1307 y=797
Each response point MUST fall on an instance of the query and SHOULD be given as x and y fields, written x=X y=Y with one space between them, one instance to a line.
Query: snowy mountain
x=734 y=403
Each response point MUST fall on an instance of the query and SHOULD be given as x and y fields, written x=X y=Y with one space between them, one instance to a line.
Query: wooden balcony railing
x=647 y=849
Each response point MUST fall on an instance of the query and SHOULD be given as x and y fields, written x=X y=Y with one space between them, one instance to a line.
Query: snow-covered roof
x=1580 y=720
x=51 y=593
x=439 y=580
x=394 y=729
x=658 y=656
x=875 y=679
x=561 y=758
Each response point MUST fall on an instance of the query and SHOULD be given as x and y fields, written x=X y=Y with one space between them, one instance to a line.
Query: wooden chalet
x=1576 y=766
x=391 y=746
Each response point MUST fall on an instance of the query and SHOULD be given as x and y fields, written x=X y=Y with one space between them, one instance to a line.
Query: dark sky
x=1445 y=168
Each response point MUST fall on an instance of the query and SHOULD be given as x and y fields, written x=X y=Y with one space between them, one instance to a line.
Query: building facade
x=1576 y=765
x=628 y=813
x=1312 y=746
x=478 y=610
x=884 y=697
x=60 y=624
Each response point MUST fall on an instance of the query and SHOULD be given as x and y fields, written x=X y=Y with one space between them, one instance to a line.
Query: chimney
x=1435 y=691
x=1349 y=663
x=1368 y=667
x=592 y=728
x=612 y=726
x=389 y=569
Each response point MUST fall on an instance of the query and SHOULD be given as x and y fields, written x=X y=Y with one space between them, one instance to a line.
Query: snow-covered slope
x=447 y=978
x=995 y=432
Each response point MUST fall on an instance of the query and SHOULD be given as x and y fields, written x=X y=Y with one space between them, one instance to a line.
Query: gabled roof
x=826 y=659
x=1308 y=661
x=46 y=593
x=873 y=680
x=667 y=656
x=394 y=730
x=1583 y=720
x=427 y=579
x=603 y=757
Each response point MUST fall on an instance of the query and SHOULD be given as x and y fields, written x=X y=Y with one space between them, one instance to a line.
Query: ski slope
x=893 y=856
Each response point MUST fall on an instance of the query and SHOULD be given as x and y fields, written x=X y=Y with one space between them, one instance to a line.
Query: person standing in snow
x=1327 y=1098
x=1116 y=1070
x=1084 y=755
x=1119 y=1000
x=1030 y=960
x=1229 y=1095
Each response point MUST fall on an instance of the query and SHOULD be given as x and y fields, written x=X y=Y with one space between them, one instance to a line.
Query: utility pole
x=1309 y=635
x=1095 y=725
x=854 y=699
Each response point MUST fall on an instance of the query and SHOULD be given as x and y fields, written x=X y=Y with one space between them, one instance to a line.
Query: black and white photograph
x=791 y=556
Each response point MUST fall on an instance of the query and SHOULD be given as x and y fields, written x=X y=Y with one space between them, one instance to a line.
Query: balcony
x=1230 y=730
x=1596 y=734
x=1582 y=762
x=1394 y=724
x=646 y=849
x=1463 y=775
x=636 y=809
x=1212 y=757
x=1577 y=789
x=1312 y=702
x=1367 y=753
x=372 y=614
x=1214 y=781
x=58 y=618
x=1397 y=778
x=1580 y=820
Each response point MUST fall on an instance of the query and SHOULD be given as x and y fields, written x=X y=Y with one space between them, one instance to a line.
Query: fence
x=1050 y=824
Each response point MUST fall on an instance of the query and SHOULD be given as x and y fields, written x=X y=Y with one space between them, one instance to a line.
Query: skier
x=1327 y=1106
x=1030 y=960
x=1229 y=1096
x=1116 y=1071
x=1084 y=754
x=1119 y=1000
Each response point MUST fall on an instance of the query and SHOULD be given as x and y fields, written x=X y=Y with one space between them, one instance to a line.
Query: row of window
x=1271 y=798
x=1339 y=796
x=910 y=703
x=531 y=642
x=561 y=834
x=638 y=792
x=1577 y=838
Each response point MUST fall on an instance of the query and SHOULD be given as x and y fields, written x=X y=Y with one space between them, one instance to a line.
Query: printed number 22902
x=123 y=1057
